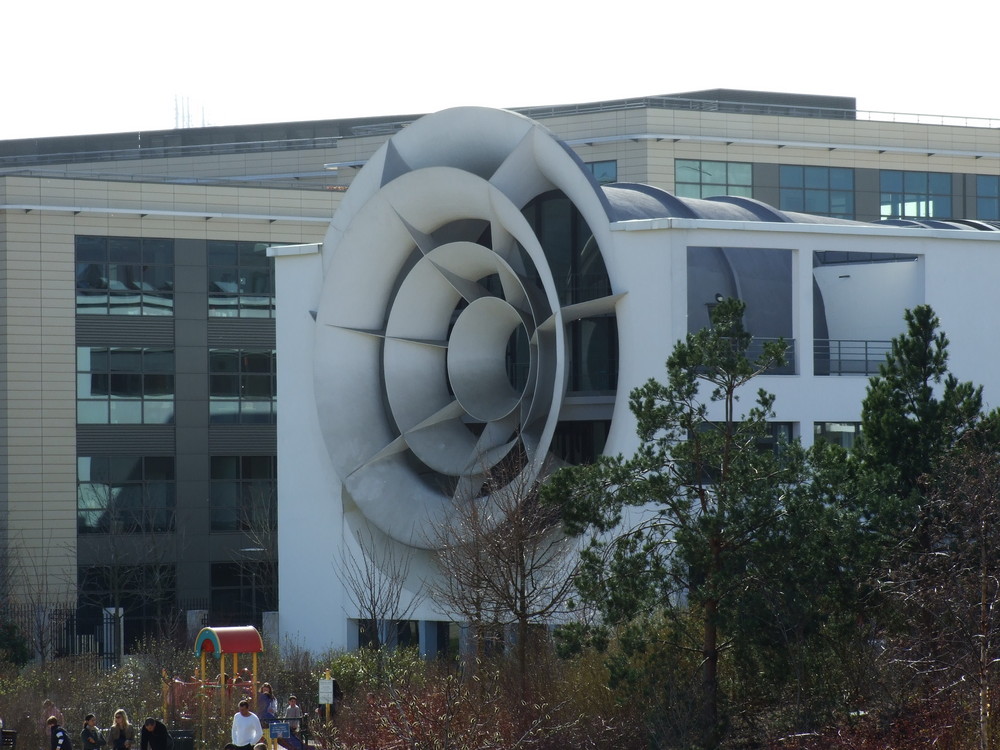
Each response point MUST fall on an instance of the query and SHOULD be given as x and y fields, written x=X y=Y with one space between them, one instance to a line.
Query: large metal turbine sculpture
x=431 y=270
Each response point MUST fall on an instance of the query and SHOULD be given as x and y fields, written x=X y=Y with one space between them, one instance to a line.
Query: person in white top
x=247 y=730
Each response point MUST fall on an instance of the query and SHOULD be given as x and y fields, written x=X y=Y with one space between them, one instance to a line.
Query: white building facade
x=480 y=294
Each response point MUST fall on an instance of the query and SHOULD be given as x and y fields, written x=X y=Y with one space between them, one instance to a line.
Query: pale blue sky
x=117 y=65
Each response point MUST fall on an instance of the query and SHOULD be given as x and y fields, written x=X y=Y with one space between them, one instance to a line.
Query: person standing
x=267 y=704
x=49 y=709
x=293 y=714
x=59 y=737
x=247 y=730
x=122 y=734
x=154 y=736
x=91 y=737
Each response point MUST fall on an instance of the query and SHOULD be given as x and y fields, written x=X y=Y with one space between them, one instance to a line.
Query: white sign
x=325 y=692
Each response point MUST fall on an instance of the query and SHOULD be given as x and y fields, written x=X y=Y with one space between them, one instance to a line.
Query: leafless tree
x=376 y=584
x=504 y=560
x=132 y=565
x=258 y=558
x=41 y=607
x=951 y=589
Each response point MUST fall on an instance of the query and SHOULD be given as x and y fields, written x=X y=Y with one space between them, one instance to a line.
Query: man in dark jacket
x=59 y=736
x=154 y=736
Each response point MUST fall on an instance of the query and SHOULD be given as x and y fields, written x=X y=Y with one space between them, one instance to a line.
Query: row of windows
x=239 y=592
x=135 y=276
x=125 y=494
x=130 y=494
x=132 y=385
x=829 y=191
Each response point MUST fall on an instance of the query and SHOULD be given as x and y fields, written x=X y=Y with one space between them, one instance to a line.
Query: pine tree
x=677 y=526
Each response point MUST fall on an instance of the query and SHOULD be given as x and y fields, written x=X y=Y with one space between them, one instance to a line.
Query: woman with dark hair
x=267 y=704
x=91 y=737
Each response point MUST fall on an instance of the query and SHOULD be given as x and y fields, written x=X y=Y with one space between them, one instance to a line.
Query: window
x=124 y=385
x=580 y=275
x=841 y=433
x=824 y=191
x=244 y=493
x=243 y=386
x=240 y=280
x=146 y=594
x=604 y=172
x=125 y=494
x=915 y=194
x=702 y=179
x=241 y=590
x=124 y=276
x=987 y=197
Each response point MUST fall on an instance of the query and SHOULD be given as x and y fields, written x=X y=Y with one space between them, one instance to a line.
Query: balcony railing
x=848 y=356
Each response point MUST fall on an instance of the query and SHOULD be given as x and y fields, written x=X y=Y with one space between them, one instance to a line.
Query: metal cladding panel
x=242 y=440
x=241 y=333
x=121 y=439
x=119 y=330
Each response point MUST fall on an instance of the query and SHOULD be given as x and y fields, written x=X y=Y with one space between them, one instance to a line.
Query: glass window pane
x=225 y=467
x=687 y=170
x=987 y=208
x=257 y=387
x=791 y=200
x=987 y=185
x=223 y=412
x=91 y=412
x=125 y=360
x=158 y=360
x=939 y=183
x=126 y=385
x=740 y=174
x=891 y=181
x=842 y=204
x=126 y=412
x=256 y=361
x=254 y=255
x=817 y=177
x=841 y=178
x=255 y=412
x=224 y=386
x=939 y=206
x=790 y=176
x=159 y=412
x=258 y=467
x=915 y=182
x=91 y=250
x=221 y=253
x=159 y=467
x=713 y=172
x=158 y=252
x=817 y=201
x=223 y=360
x=125 y=250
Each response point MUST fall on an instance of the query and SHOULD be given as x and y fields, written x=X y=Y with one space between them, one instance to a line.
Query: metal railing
x=849 y=356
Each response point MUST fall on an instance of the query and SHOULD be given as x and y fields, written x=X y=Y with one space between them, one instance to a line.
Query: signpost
x=279 y=729
x=325 y=692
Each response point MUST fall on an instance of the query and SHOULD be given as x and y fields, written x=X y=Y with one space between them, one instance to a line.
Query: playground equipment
x=219 y=642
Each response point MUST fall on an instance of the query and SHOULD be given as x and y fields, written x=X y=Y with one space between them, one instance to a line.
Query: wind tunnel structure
x=431 y=272
x=431 y=268
x=444 y=338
